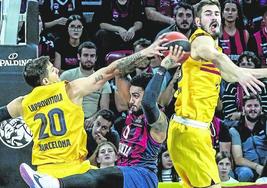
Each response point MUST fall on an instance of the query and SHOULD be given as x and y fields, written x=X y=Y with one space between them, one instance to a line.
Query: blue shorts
x=136 y=177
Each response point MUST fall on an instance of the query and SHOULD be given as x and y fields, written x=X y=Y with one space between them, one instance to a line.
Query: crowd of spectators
x=239 y=129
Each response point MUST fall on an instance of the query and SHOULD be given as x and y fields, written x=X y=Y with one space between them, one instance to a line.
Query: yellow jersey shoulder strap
x=197 y=33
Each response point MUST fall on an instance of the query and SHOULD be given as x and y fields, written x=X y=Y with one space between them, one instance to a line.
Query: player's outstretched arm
x=84 y=86
x=156 y=119
x=12 y=110
x=203 y=48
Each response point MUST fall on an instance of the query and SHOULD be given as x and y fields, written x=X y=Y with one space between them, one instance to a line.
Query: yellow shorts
x=192 y=154
x=61 y=170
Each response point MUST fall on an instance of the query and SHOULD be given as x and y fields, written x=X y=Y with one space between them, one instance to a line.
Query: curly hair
x=141 y=80
x=250 y=56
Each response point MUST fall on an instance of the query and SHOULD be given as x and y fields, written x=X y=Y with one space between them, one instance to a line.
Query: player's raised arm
x=157 y=119
x=203 y=48
x=84 y=86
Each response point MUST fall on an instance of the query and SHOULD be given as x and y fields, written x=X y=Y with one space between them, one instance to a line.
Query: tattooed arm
x=83 y=86
x=128 y=64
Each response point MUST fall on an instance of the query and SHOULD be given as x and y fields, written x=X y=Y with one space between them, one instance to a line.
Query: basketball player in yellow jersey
x=53 y=111
x=189 y=139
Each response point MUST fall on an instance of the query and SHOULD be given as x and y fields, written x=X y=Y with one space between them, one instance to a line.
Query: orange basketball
x=177 y=38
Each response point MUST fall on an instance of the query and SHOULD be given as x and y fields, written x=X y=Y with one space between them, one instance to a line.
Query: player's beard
x=135 y=110
x=215 y=35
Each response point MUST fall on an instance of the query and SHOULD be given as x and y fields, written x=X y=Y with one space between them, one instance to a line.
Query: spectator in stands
x=253 y=18
x=55 y=14
x=159 y=15
x=235 y=37
x=184 y=20
x=46 y=45
x=166 y=171
x=101 y=130
x=249 y=140
x=106 y=155
x=87 y=56
x=66 y=47
x=248 y=59
x=232 y=97
x=224 y=162
x=120 y=23
x=221 y=139
x=258 y=42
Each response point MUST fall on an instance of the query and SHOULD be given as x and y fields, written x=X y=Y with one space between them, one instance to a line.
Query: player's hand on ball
x=173 y=59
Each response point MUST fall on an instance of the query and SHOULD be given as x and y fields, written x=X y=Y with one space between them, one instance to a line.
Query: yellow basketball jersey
x=57 y=125
x=199 y=87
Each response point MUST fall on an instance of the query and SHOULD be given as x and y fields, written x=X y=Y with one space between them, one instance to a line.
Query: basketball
x=177 y=38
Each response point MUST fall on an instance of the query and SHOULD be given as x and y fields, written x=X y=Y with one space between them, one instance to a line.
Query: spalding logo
x=14 y=133
x=13 y=56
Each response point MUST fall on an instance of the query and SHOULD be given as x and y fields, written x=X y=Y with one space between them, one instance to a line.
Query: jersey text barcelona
x=56 y=123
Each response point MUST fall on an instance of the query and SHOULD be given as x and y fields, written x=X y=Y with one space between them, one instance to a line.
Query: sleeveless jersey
x=137 y=147
x=199 y=88
x=233 y=46
x=261 y=41
x=57 y=125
